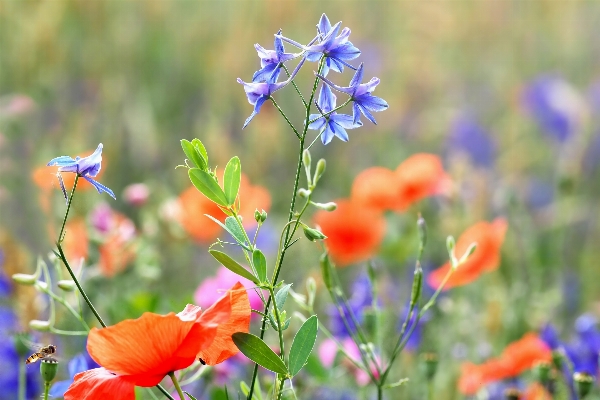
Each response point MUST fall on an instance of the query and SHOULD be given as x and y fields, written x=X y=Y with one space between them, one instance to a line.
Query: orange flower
x=516 y=358
x=419 y=176
x=536 y=391
x=76 y=240
x=489 y=238
x=353 y=232
x=118 y=248
x=193 y=205
x=377 y=188
x=143 y=351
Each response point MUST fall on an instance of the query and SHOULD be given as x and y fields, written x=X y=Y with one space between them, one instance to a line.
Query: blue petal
x=345 y=121
x=90 y=165
x=264 y=73
x=356 y=114
x=335 y=64
x=59 y=388
x=327 y=99
x=77 y=364
x=371 y=102
x=61 y=161
x=313 y=56
x=327 y=134
x=366 y=113
x=358 y=76
x=339 y=131
x=257 y=107
x=100 y=187
x=347 y=51
x=318 y=124
x=279 y=44
x=324 y=25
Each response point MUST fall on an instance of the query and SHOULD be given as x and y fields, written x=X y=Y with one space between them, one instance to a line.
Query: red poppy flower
x=489 y=238
x=143 y=351
x=377 y=188
x=193 y=206
x=419 y=176
x=76 y=240
x=353 y=231
x=516 y=358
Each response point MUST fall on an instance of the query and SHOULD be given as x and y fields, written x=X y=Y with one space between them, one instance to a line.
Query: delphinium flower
x=489 y=238
x=86 y=167
x=332 y=124
x=360 y=94
x=336 y=49
x=555 y=105
x=469 y=137
x=271 y=61
x=259 y=92
x=142 y=352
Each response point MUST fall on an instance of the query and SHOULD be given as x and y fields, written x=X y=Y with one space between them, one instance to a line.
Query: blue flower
x=555 y=105
x=5 y=281
x=360 y=300
x=333 y=124
x=78 y=364
x=259 y=92
x=468 y=136
x=337 y=50
x=360 y=94
x=87 y=167
x=271 y=61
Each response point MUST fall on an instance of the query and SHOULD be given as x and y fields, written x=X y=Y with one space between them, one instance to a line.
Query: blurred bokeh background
x=505 y=92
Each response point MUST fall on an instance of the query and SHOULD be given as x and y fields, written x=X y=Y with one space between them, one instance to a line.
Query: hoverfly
x=41 y=352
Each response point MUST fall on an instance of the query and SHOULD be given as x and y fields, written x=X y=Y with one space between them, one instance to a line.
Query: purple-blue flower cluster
x=333 y=51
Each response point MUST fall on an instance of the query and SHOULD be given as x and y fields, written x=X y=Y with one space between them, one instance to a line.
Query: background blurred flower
x=136 y=194
x=489 y=238
x=353 y=231
x=468 y=137
x=419 y=176
x=361 y=299
x=376 y=188
x=78 y=364
x=76 y=240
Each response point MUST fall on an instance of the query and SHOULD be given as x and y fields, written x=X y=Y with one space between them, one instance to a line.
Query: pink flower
x=328 y=351
x=136 y=194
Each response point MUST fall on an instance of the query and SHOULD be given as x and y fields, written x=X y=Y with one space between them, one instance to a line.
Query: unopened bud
x=422 y=227
x=42 y=285
x=583 y=383
x=306 y=159
x=303 y=192
x=41 y=326
x=66 y=285
x=512 y=394
x=470 y=250
x=558 y=359
x=429 y=362
x=263 y=216
x=326 y=268
x=331 y=206
x=320 y=170
x=257 y=215
x=450 y=244
x=542 y=371
x=417 y=285
x=313 y=234
x=24 y=279
x=48 y=368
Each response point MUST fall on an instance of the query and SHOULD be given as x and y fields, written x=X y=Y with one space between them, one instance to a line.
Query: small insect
x=44 y=352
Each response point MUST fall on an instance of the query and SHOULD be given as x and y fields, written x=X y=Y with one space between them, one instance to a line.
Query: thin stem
x=176 y=384
x=279 y=330
x=326 y=114
x=315 y=140
x=67 y=306
x=286 y=118
x=294 y=84
x=46 y=390
x=379 y=392
x=68 y=333
x=22 y=380
x=280 y=391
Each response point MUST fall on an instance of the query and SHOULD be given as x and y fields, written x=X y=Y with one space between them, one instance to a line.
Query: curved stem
x=176 y=384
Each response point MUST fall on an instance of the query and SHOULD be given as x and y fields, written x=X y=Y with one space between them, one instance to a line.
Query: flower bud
x=583 y=383
x=542 y=372
x=263 y=216
x=326 y=268
x=306 y=159
x=313 y=234
x=512 y=394
x=42 y=285
x=66 y=285
x=429 y=364
x=331 y=206
x=37 y=325
x=257 y=215
x=558 y=359
x=24 y=279
x=470 y=250
x=450 y=244
x=422 y=227
x=48 y=368
x=417 y=285
x=319 y=170
x=303 y=192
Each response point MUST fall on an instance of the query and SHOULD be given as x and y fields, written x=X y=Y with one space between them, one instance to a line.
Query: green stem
x=280 y=391
x=22 y=380
x=279 y=330
x=176 y=384
x=46 y=390
x=294 y=84
x=286 y=118
x=380 y=392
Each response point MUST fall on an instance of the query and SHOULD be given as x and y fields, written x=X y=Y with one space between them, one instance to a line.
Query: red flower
x=143 y=351
x=76 y=240
x=353 y=231
x=419 y=176
x=377 y=188
x=489 y=238
x=516 y=358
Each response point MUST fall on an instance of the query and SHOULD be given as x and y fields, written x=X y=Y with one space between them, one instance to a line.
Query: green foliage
x=208 y=186
x=258 y=351
x=232 y=179
x=232 y=265
x=260 y=264
x=303 y=344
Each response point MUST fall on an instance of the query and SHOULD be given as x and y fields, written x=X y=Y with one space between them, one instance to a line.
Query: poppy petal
x=98 y=384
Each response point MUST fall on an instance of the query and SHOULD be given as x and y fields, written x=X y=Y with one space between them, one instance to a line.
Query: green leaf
x=233 y=227
x=232 y=265
x=200 y=149
x=189 y=395
x=232 y=233
x=303 y=344
x=193 y=155
x=255 y=349
x=231 y=179
x=281 y=296
x=205 y=183
x=260 y=264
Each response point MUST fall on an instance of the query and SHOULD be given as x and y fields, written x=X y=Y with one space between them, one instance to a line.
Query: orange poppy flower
x=119 y=247
x=76 y=240
x=489 y=238
x=353 y=231
x=193 y=205
x=143 y=351
x=516 y=358
x=377 y=188
x=419 y=176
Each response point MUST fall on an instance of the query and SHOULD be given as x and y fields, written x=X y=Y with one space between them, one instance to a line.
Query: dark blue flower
x=337 y=50
x=333 y=124
x=550 y=336
x=78 y=364
x=259 y=92
x=360 y=300
x=555 y=105
x=414 y=340
x=271 y=61
x=467 y=136
x=87 y=167
x=360 y=94
x=5 y=281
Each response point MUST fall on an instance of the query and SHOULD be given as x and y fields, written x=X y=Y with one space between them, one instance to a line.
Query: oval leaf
x=231 y=179
x=255 y=349
x=232 y=265
x=303 y=344
x=207 y=186
x=193 y=155
x=232 y=233
x=281 y=296
x=260 y=265
x=233 y=227
x=200 y=149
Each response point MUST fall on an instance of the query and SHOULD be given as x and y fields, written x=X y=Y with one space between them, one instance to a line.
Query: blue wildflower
x=5 y=281
x=337 y=50
x=259 y=92
x=333 y=124
x=87 y=167
x=78 y=364
x=360 y=94
x=360 y=300
x=271 y=61
x=467 y=136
